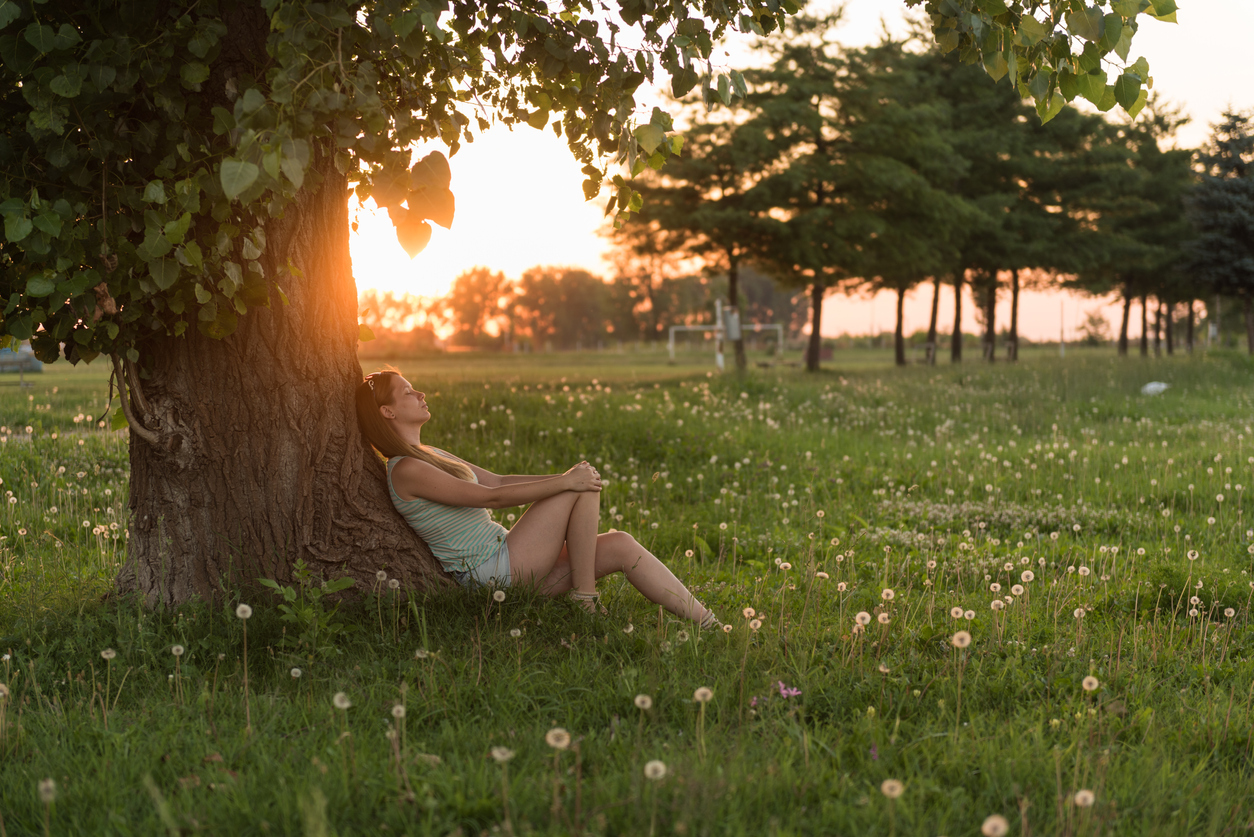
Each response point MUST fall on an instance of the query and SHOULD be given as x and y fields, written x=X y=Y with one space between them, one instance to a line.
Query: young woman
x=554 y=546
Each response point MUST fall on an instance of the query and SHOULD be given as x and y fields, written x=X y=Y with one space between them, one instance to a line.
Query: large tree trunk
x=899 y=335
x=955 y=342
x=816 y=317
x=1012 y=340
x=931 y=325
x=1144 y=326
x=1123 y=325
x=249 y=456
x=1188 y=329
x=733 y=302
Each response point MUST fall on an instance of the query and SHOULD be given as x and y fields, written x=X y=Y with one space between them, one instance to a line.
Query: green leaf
x=253 y=101
x=1087 y=24
x=16 y=227
x=738 y=83
x=1092 y=86
x=1139 y=104
x=364 y=334
x=1031 y=31
x=236 y=176
x=724 y=89
x=1055 y=106
x=193 y=74
x=1165 y=10
x=118 y=420
x=1125 y=43
x=165 y=272
x=42 y=38
x=1141 y=68
x=49 y=222
x=650 y=137
x=1130 y=8
x=9 y=12
x=994 y=7
x=154 y=192
x=996 y=66
x=1127 y=89
x=67 y=85
x=41 y=284
x=1108 y=99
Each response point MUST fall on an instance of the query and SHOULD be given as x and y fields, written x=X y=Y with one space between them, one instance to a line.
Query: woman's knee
x=620 y=547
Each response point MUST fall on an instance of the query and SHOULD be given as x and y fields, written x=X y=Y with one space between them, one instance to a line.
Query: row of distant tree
x=886 y=168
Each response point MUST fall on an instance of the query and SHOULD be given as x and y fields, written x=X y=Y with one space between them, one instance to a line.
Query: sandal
x=710 y=622
x=588 y=601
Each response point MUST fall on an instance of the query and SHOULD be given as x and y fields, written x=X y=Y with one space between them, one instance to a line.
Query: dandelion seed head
x=498 y=596
x=1084 y=798
x=995 y=826
x=968 y=615
x=515 y=633
x=961 y=639
x=398 y=711
x=887 y=594
x=502 y=754
x=1090 y=683
x=177 y=650
x=341 y=701
x=655 y=770
x=955 y=612
x=644 y=702
x=703 y=695
x=557 y=738
x=863 y=618
x=108 y=654
x=891 y=788
x=243 y=611
x=1078 y=613
x=381 y=576
x=754 y=624
x=47 y=791
x=394 y=583
x=296 y=673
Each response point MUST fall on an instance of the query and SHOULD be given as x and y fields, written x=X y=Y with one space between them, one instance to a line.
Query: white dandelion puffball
x=955 y=612
x=887 y=594
x=515 y=633
x=997 y=604
x=863 y=618
x=296 y=673
x=968 y=615
x=727 y=629
x=883 y=618
x=177 y=650
x=557 y=738
x=498 y=596
x=398 y=711
x=961 y=639
x=421 y=654
x=502 y=754
x=1154 y=388
x=108 y=654
x=381 y=576
x=394 y=583
x=243 y=611
x=341 y=701
x=892 y=788
x=821 y=575
x=754 y=624
x=749 y=612
x=1085 y=798
x=1090 y=683
x=644 y=702
x=1027 y=576
x=1078 y=613
x=995 y=826
x=1017 y=590
x=703 y=695
x=47 y=791
x=655 y=770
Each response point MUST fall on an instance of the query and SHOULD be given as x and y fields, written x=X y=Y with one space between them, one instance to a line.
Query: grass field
x=1090 y=543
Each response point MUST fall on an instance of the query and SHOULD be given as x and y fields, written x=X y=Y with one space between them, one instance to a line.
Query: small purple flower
x=875 y=754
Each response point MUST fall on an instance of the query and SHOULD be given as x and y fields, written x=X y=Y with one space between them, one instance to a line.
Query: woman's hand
x=583 y=477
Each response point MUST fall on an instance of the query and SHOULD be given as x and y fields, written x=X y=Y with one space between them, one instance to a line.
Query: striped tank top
x=461 y=537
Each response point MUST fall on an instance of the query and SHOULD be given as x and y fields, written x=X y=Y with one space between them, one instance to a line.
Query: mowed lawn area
x=962 y=600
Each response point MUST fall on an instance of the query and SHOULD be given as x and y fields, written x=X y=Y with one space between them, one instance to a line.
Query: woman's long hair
x=375 y=392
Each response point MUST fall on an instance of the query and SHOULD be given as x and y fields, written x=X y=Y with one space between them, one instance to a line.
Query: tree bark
x=1169 y=333
x=1123 y=325
x=990 y=323
x=1158 y=327
x=931 y=326
x=1012 y=340
x=1144 y=326
x=955 y=342
x=259 y=461
x=899 y=336
x=816 y=317
x=1188 y=329
x=733 y=302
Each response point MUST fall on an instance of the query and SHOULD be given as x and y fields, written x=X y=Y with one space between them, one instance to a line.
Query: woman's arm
x=414 y=478
x=488 y=478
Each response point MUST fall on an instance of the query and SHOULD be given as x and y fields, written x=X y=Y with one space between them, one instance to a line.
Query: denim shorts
x=493 y=572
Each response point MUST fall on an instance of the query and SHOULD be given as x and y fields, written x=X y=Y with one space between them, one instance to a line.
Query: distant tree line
x=885 y=168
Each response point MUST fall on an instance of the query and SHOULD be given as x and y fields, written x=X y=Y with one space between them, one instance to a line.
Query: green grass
x=931 y=482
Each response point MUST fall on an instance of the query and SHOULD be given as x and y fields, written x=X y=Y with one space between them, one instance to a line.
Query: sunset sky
x=519 y=201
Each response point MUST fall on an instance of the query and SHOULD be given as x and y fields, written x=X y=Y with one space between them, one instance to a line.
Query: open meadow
x=983 y=599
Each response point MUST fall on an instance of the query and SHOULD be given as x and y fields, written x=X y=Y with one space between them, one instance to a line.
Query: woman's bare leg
x=620 y=552
x=562 y=526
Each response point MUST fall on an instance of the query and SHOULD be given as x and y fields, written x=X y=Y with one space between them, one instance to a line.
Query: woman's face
x=408 y=405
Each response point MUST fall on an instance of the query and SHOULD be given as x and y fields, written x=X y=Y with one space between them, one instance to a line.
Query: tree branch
x=140 y=430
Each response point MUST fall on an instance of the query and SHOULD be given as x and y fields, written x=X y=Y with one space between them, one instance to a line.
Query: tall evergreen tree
x=1221 y=208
